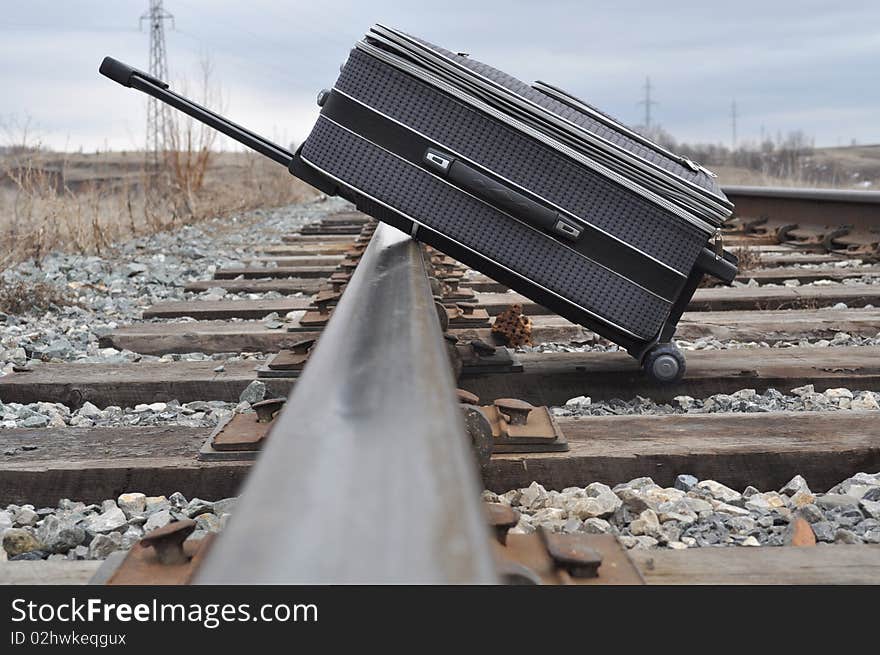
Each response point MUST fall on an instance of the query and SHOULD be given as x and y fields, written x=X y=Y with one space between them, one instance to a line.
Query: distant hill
x=846 y=167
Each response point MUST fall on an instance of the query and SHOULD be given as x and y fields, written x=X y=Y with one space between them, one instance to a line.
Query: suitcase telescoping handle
x=137 y=79
x=516 y=204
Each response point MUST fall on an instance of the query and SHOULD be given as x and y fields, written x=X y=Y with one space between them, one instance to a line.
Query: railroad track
x=370 y=441
x=822 y=220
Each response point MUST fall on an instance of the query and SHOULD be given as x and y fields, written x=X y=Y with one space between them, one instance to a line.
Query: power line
x=647 y=102
x=157 y=115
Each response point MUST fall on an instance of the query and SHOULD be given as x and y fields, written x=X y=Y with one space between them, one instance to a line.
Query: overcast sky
x=789 y=65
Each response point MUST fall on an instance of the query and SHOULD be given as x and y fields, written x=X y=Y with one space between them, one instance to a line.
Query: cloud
x=805 y=65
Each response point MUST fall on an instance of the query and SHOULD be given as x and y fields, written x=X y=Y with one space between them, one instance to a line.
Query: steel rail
x=368 y=475
x=807 y=206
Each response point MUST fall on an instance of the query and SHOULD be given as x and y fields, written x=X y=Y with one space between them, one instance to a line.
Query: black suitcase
x=527 y=184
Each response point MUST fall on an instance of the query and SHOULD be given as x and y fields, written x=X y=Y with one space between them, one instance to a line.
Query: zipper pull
x=718 y=243
x=697 y=168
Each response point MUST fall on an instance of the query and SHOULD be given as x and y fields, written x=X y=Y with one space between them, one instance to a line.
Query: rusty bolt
x=467 y=308
x=302 y=347
x=467 y=398
x=514 y=573
x=501 y=517
x=442 y=316
x=323 y=301
x=266 y=409
x=436 y=289
x=452 y=283
x=571 y=553
x=326 y=297
x=168 y=540
x=517 y=410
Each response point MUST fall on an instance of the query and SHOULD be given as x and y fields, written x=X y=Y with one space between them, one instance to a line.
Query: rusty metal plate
x=451 y=299
x=459 y=293
x=540 y=432
x=141 y=565
x=331 y=229
x=346 y=217
x=239 y=438
x=337 y=281
x=467 y=317
x=241 y=432
x=529 y=551
x=284 y=364
x=312 y=319
x=741 y=225
x=287 y=363
x=446 y=261
x=339 y=276
x=452 y=292
x=448 y=273
x=326 y=298
x=860 y=243
x=490 y=359
x=349 y=263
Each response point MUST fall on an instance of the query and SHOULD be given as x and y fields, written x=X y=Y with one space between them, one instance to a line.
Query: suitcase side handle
x=484 y=187
x=723 y=266
x=132 y=77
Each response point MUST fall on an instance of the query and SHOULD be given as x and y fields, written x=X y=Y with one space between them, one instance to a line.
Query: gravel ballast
x=112 y=290
x=77 y=531
x=841 y=339
x=801 y=399
x=692 y=514
x=698 y=513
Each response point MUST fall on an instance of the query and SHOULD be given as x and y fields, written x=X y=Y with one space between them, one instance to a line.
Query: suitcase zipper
x=718 y=243
x=593 y=164
x=560 y=95
x=702 y=199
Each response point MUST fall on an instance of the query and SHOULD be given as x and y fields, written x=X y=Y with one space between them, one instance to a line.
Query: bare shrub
x=45 y=214
x=84 y=203
x=19 y=297
x=749 y=258
x=189 y=147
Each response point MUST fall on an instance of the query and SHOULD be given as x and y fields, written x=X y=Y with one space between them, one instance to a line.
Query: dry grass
x=835 y=168
x=749 y=258
x=83 y=203
x=18 y=297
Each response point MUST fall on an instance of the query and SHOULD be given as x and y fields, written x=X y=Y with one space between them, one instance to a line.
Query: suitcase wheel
x=664 y=363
